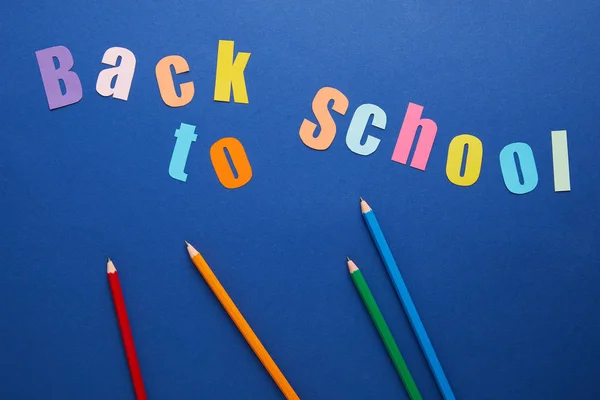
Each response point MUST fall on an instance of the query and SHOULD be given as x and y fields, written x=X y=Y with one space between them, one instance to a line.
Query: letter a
x=124 y=73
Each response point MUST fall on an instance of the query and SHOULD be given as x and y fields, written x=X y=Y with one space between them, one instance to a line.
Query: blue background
x=506 y=285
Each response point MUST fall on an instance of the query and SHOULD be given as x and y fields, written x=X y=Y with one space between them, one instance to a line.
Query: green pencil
x=384 y=331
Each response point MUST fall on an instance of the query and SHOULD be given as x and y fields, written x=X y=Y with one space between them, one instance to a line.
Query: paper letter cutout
x=560 y=162
x=239 y=159
x=123 y=72
x=406 y=137
x=358 y=125
x=319 y=106
x=166 y=84
x=230 y=74
x=51 y=76
x=472 y=163
x=185 y=136
x=509 y=168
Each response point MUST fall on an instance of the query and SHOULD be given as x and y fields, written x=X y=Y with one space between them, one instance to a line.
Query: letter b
x=52 y=76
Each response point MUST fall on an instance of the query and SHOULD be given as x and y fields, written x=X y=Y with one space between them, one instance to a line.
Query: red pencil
x=134 y=366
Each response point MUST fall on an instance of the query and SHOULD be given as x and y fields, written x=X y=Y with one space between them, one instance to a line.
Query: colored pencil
x=241 y=323
x=406 y=300
x=126 y=335
x=384 y=331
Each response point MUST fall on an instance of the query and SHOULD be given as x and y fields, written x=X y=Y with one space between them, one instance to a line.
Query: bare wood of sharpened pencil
x=110 y=267
x=239 y=321
x=364 y=206
x=351 y=265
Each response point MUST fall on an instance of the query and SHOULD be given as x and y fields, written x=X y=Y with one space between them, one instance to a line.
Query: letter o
x=239 y=159
x=509 y=168
x=456 y=151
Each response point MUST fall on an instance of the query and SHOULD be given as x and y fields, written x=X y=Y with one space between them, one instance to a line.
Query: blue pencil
x=405 y=299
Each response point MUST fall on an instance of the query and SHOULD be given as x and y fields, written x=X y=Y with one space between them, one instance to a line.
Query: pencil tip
x=351 y=266
x=191 y=249
x=110 y=267
x=364 y=206
x=347 y=258
x=107 y=259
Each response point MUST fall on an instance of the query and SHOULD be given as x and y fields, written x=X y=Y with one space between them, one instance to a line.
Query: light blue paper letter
x=509 y=168
x=358 y=125
x=185 y=136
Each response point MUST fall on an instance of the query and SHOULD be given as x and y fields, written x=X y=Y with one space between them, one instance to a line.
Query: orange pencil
x=241 y=323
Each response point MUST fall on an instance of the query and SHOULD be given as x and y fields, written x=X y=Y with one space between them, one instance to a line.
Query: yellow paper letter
x=230 y=74
x=472 y=163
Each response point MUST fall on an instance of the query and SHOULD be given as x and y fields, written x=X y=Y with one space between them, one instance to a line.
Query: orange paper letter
x=166 y=84
x=240 y=162
x=320 y=108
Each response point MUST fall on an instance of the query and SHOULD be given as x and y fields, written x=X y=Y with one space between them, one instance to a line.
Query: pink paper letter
x=51 y=76
x=412 y=121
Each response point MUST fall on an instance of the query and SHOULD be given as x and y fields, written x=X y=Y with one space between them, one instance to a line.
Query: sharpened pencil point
x=351 y=266
x=187 y=243
x=347 y=258
x=191 y=249
x=364 y=206
x=110 y=267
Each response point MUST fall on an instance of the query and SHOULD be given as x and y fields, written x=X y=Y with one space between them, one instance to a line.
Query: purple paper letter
x=51 y=76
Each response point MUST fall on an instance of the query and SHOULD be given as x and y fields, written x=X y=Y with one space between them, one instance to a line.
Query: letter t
x=185 y=136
